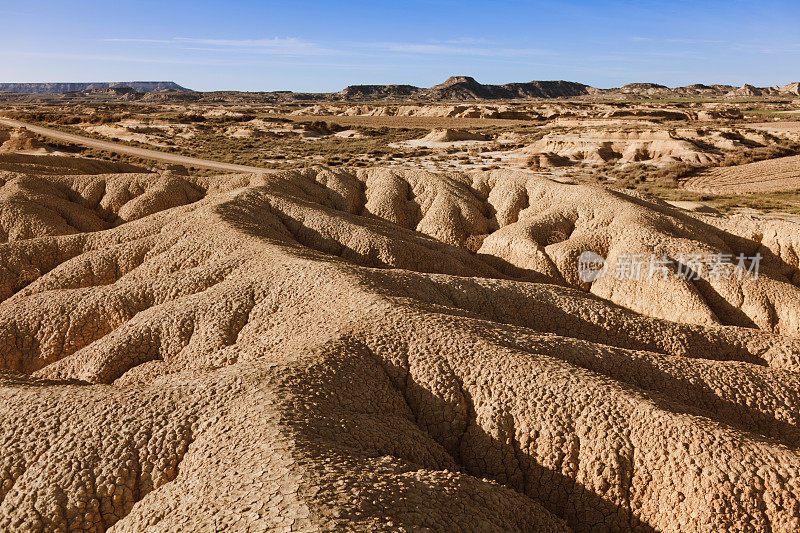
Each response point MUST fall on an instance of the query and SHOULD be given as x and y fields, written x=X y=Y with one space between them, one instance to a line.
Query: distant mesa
x=454 y=89
x=644 y=89
x=792 y=88
x=362 y=91
x=467 y=88
x=461 y=82
x=643 y=86
x=750 y=90
x=47 y=88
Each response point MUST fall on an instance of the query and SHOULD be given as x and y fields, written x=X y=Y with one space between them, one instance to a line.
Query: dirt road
x=144 y=153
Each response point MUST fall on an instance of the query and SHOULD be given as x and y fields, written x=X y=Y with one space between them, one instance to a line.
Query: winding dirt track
x=130 y=150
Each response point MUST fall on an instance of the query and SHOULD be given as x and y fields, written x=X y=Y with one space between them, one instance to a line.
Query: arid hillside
x=774 y=175
x=388 y=349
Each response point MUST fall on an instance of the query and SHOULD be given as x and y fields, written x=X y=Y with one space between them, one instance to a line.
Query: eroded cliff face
x=387 y=350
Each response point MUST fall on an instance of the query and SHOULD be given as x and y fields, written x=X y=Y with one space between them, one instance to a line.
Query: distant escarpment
x=454 y=89
x=45 y=88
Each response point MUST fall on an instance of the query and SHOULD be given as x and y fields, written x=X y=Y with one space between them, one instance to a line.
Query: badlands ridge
x=455 y=88
x=385 y=349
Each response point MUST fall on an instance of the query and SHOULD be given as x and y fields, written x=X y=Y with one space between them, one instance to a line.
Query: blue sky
x=309 y=45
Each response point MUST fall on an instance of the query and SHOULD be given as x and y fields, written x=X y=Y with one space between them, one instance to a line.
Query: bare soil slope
x=772 y=175
x=61 y=164
x=386 y=350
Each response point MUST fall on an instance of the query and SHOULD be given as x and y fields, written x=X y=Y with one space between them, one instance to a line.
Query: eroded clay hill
x=387 y=350
x=620 y=146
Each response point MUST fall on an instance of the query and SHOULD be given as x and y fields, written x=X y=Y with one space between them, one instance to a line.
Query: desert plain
x=370 y=310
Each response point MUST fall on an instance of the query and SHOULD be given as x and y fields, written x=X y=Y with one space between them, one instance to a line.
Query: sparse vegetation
x=648 y=177
x=253 y=136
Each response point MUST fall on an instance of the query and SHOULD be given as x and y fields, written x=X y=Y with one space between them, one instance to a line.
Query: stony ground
x=388 y=350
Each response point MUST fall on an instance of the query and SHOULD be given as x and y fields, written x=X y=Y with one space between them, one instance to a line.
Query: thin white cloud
x=291 y=46
x=205 y=61
x=695 y=41
x=276 y=45
x=113 y=58
x=136 y=40
x=451 y=50
x=639 y=39
x=795 y=50
x=468 y=40
x=768 y=48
